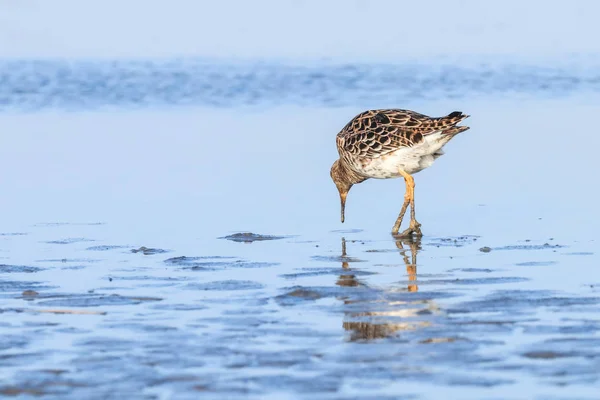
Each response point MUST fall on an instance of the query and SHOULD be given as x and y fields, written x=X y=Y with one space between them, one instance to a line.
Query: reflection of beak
x=343 y=202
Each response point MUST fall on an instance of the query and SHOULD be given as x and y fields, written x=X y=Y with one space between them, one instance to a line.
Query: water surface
x=170 y=230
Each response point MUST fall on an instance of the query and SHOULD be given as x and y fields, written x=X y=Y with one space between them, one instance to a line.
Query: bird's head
x=342 y=182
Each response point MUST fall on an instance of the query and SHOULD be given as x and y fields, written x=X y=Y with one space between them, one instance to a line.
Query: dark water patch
x=349 y=280
x=545 y=246
x=15 y=391
x=476 y=381
x=348 y=231
x=471 y=281
x=339 y=272
x=142 y=328
x=354 y=297
x=11 y=310
x=297 y=384
x=143 y=278
x=91 y=300
x=253 y=307
x=19 y=359
x=563 y=329
x=494 y=322
x=485 y=249
x=374 y=362
x=29 y=294
x=247 y=302
x=125 y=380
x=195 y=386
x=20 y=286
x=251 y=264
x=485 y=270
x=547 y=355
x=249 y=237
x=308 y=272
x=582 y=320
x=107 y=247
x=71 y=260
x=158 y=285
x=147 y=251
x=39 y=324
x=42 y=386
x=7 y=269
x=179 y=307
x=51 y=382
x=69 y=241
x=178 y=378
x=290 y=330
x=514 y=301
x=170 y=348
x=100 y=343
x=73 y=267
x=297 y=295
x=208 y=263
x=439 y=340
x=186 y=261
x=227 y=285
x=215 y=263
x=453 y=241
x=536 y=263
x=337 y=259
x=378 y=300
x=241 y=323
x=586 y=342
x=8 y=342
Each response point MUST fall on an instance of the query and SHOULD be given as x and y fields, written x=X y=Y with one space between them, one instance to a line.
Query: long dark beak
x=343 y=203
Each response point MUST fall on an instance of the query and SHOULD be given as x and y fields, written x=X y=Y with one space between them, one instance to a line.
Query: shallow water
x=129 y=267
x=170 y=229
x=351 y=314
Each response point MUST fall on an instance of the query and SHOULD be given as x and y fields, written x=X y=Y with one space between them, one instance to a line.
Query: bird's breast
x=408 y=159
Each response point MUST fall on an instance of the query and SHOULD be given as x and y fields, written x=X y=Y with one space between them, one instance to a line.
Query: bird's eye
x=381 y=118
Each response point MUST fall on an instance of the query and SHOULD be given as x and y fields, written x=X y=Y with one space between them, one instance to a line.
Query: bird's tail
x=448 y=123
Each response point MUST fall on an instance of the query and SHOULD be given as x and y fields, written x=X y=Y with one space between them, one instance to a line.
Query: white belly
x=409 y=159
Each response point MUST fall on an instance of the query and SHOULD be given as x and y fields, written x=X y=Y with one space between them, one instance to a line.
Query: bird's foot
x=413 y=229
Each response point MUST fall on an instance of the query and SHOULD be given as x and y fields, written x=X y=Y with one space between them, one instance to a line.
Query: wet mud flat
x=351 y=315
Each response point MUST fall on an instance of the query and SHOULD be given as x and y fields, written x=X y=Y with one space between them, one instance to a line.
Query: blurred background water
x=135 y=136
x=35 y=85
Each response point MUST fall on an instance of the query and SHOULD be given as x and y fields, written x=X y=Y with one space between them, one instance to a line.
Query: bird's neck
x=348 y=174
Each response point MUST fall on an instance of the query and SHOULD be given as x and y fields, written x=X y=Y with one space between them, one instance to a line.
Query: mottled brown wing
x=374 y=133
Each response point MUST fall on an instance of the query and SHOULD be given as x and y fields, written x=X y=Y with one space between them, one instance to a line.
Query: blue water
x=79 y=85
x=169 y=227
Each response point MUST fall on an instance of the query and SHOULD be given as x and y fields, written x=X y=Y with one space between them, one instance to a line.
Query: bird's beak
x=343 y=203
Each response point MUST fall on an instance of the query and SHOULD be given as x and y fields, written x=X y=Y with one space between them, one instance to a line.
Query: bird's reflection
x=346 y=279
x=414 y=244
x=404 y=245
x=371 y=324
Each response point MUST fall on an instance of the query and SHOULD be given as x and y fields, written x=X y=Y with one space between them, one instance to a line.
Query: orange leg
x=409 y=198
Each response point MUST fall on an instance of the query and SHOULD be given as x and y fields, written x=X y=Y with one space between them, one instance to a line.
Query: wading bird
x=386 y=144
